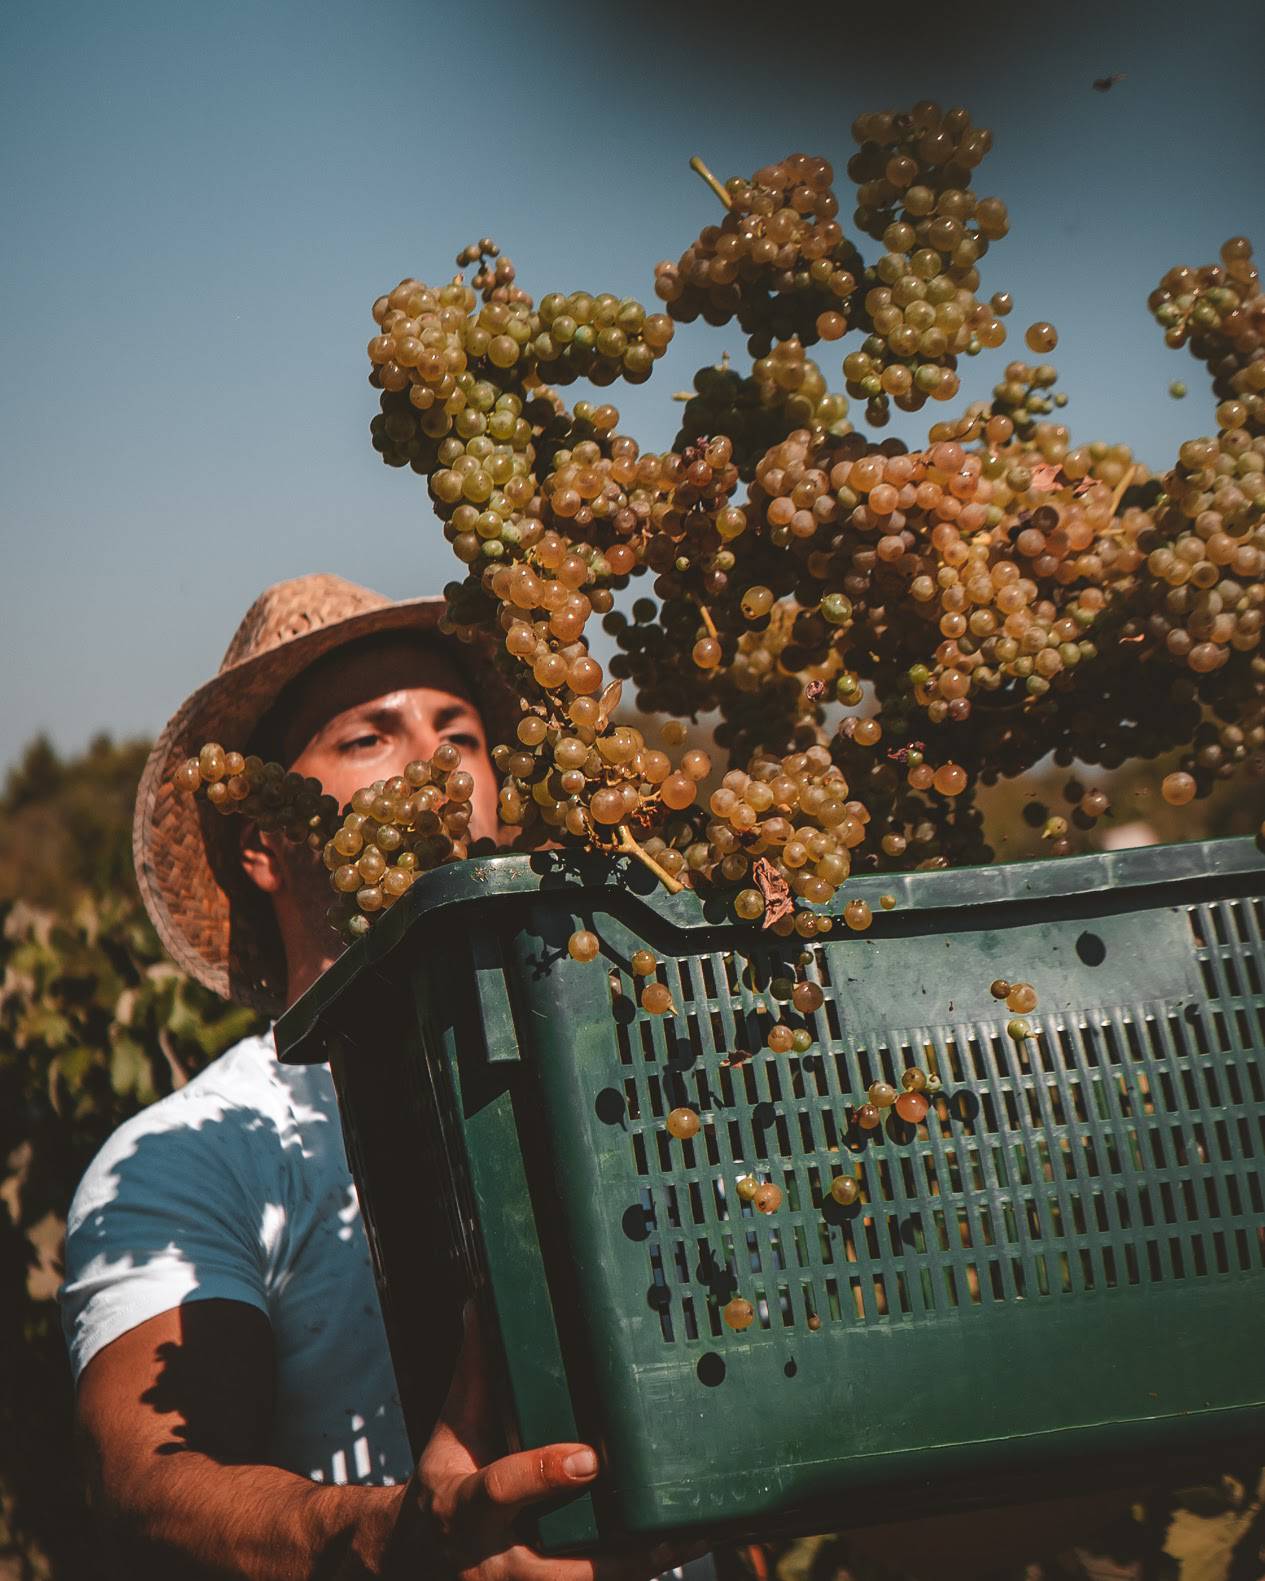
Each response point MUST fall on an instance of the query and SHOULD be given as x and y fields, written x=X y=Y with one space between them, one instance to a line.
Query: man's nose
x=421 y=741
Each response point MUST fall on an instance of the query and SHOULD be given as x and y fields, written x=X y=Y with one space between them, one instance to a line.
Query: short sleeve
x=171 y=1210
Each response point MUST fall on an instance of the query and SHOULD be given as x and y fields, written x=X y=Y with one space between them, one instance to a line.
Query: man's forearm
x=199 y=1518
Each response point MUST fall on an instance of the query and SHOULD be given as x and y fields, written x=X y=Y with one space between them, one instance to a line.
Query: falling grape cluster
x=872 y=631
x=1219 y=312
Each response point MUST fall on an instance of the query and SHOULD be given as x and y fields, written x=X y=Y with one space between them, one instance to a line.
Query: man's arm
x=174 y=1418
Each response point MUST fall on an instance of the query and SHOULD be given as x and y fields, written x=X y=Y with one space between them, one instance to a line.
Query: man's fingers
x=468 y=1408
x=516 y=1481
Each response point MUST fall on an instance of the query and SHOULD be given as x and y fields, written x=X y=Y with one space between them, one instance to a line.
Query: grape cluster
x=266 y=793
x=392 y=831
x=778 y=262
x=429 y=336
x=1219 y=312
x=784 y=391
x=971 y=605
x=914 y=196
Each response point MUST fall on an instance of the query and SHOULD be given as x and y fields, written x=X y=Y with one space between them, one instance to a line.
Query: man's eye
x=358 y=743
x=463 y=738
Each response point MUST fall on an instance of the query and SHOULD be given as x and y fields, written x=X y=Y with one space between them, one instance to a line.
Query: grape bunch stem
x=700 y=169
x=629 y=847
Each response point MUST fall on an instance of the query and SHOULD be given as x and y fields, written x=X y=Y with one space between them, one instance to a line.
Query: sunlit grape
x=683 y=1123
x=912 y=1107
x=1021 y=998
x=656 y=999
x=583 y=945
x=738 y=1314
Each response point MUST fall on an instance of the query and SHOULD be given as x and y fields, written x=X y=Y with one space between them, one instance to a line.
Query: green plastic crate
x=1057 y=1279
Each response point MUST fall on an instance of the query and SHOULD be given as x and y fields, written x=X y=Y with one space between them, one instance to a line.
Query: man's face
x=365 y=719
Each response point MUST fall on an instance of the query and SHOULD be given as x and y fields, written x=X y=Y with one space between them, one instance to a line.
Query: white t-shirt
x=237 y=1188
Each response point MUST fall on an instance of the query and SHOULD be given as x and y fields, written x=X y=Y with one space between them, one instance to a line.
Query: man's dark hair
x=268 y=739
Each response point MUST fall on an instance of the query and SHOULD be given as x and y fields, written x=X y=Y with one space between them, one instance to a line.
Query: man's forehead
x=380 y=676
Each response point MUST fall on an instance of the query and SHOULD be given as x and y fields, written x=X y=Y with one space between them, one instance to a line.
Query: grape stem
x=1120 y=488
x=700 y=169
x=708 y=621
x=629 y=847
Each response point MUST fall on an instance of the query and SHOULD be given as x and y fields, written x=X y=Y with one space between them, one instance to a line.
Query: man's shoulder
x=223 y=1114
x=243 y=1078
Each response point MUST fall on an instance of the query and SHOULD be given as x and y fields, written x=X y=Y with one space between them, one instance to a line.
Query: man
x=235 y=1394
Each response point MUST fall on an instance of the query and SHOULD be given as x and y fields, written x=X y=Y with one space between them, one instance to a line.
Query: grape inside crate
x=1054 y=1279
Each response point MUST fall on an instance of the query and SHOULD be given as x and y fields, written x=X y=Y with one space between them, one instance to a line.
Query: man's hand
x=175 y=1418
x=465 y=1504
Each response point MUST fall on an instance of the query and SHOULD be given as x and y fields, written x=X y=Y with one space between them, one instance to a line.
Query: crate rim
x=506 y=875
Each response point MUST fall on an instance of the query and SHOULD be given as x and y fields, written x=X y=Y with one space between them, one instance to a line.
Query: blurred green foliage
x=95 y=1023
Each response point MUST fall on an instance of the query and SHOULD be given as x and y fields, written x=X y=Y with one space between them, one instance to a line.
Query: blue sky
x=201 y=202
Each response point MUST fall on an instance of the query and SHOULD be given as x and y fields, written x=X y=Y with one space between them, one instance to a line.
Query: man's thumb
x=535 y=1474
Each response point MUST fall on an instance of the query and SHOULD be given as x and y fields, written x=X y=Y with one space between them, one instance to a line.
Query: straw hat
x=209 y=917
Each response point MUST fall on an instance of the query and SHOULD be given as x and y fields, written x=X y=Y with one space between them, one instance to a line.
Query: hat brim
x=189 y=906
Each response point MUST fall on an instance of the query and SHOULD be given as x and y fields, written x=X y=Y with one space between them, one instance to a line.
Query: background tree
x=94 y=1024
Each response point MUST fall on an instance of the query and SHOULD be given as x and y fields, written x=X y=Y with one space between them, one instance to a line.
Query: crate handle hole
x=1091 y=949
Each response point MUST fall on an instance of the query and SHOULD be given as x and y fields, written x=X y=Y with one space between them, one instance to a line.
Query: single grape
x=767 y=1198
x=583 y=945
x=912 y=1107
x=738 y=1314
x=683 y=1123
x=950 y=779
x=1022 y=998
x=211 y=761
x=643 y=963
x=1041 y=337
x=845 y=1190
x=656 y=999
